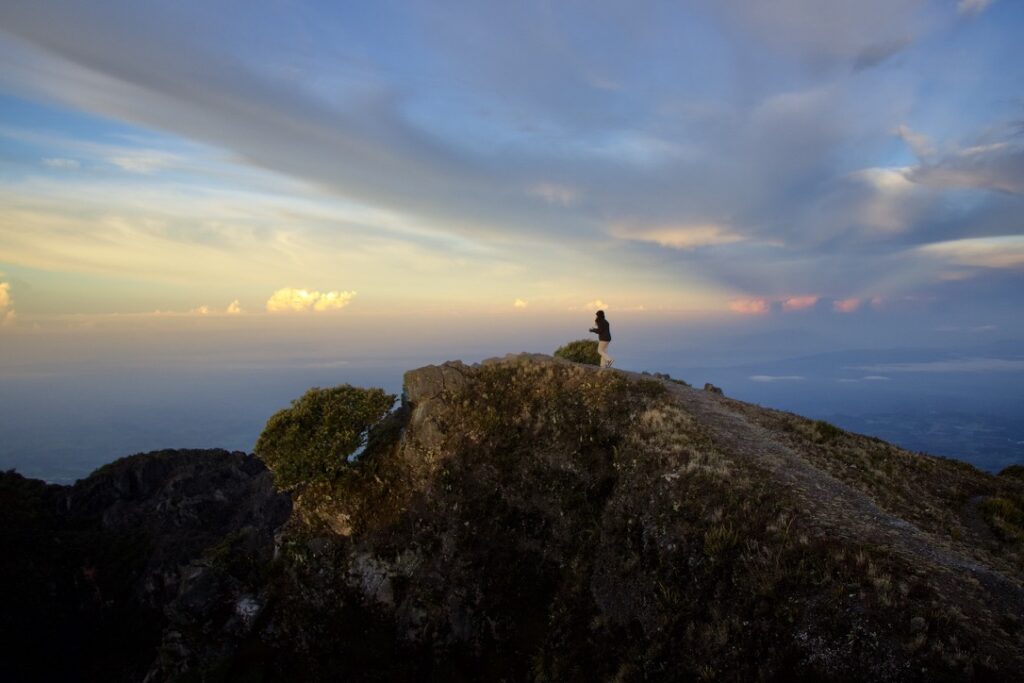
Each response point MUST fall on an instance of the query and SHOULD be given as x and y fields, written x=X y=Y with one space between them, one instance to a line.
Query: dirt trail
x=838 y=508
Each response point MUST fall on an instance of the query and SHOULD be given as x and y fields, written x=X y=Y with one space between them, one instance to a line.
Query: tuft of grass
x=1005 y=516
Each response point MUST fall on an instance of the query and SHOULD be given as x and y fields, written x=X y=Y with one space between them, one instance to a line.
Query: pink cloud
x=799 y=303
x=846 y=305
x=749 y=306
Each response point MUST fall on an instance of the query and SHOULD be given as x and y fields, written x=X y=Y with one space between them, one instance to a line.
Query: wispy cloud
x=683 y=237
x=61 y=163
x=799 y=303
x=776 y=378
x=987 y=252
x=749 y=306
x=944 y=366
x=972 y=6
x=291 y=300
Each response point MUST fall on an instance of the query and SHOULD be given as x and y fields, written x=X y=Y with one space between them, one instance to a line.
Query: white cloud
x=683 y=237
x=776 y=378
x=876 y=378
x=202 y=310
x=293 y=300
x=143 y=161
x=595 y=305
x=519 y=303
x=333 y=301
x=944 y=366
x=972 y=6
x=67 y=164
x=986 y=252
x=234 y=308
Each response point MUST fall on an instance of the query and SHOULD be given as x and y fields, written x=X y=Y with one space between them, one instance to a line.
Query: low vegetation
x=311 y=442
x=580 y=351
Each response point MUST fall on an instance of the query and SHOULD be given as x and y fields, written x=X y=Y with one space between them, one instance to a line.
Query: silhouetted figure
x=604 y=337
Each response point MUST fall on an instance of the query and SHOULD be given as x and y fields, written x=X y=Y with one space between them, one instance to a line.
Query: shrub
x=1013 y=472
x=580 y=351
x=312 y=440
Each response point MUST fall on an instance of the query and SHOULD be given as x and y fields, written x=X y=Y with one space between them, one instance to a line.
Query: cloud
x=201 y=310
x=876 y=53
x=864 y=32
x=876 y=378
x=553 y=193
x=7 y=314
x=143 y=161
x=519 y=303
x=65 y=164
x=972 y=7
x=776 y=378
x=332 y=301
x=946 y=366
x=985 y=252
x=749 y=306
x=846 y=305
x=595 y=305
x=919 y=144
x=292 y=300
x=682 y=237
x=995 y=162
x=234 y=308
x=799 y=303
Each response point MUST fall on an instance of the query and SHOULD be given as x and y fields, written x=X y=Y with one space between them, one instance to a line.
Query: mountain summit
x=530 y=518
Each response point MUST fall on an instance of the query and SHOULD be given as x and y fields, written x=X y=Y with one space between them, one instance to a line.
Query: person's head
x=600 y=314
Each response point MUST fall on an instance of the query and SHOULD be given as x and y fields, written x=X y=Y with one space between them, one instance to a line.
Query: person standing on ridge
x=604 y=336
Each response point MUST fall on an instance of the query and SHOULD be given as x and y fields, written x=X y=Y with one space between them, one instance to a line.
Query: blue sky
x=202 y=196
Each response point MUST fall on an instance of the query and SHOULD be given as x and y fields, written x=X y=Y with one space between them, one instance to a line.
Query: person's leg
x=602 y=350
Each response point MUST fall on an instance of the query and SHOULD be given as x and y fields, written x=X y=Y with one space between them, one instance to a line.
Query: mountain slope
x=544 y=520
x=529 y=518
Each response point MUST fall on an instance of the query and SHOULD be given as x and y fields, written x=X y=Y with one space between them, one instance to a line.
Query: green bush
x=580 y=351
x=312 y=440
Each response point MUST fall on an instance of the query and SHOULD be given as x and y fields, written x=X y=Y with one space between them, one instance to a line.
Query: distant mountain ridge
x=529 y=518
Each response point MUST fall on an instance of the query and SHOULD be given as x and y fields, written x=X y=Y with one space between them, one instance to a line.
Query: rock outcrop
x=129 y=553
x=529 y=518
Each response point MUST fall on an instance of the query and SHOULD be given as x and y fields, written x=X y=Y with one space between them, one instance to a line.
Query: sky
x=236 y=185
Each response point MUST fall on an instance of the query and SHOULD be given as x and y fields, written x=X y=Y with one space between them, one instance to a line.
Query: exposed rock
x=531 y=518
x=708 y=386
x=136 y=551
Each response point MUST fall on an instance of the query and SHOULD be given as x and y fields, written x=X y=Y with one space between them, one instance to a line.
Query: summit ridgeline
x=531 y=518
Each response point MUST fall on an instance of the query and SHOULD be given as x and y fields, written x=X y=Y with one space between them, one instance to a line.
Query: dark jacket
x=603 y=329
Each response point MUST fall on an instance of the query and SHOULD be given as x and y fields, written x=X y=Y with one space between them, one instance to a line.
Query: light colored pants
x=606 y=359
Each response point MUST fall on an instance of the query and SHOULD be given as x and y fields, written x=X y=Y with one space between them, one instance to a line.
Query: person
x=604 y=337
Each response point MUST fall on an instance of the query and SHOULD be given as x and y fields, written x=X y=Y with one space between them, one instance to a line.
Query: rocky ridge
x=529 y=518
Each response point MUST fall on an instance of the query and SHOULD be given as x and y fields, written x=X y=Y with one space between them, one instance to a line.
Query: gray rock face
x=140 y=548
x=183 y=502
